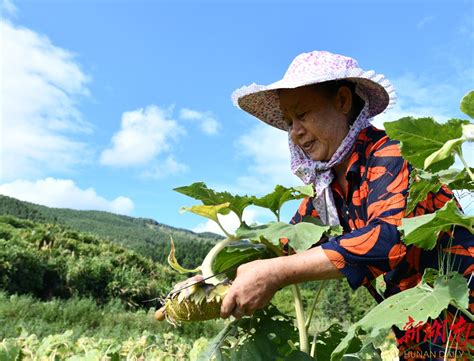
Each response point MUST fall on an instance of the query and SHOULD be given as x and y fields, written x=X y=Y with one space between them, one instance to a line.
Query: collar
x=357 y=152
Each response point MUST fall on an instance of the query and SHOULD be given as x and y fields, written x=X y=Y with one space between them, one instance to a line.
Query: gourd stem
x=466 y=166
x=300 y=321
x=206 y=266
x=299 y=310
x=227 y=234
x=313 y=346
x=463 y=311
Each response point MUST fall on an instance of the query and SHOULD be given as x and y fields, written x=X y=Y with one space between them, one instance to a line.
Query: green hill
x=145 y=236
x=48 y=260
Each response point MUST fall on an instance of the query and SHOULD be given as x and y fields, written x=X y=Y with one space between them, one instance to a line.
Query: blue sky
x=111 y=104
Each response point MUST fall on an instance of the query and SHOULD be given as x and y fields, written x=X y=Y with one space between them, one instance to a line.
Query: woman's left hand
x=253 y=288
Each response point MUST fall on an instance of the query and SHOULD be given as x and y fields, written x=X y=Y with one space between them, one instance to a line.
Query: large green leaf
x=421 y=137
x=456 y=179
x=210 y=197
x=207 y=211
x=10 y=350
x=328 y=340
x=422 y=182
x=267 y=335
x=237 y=204
x=275 y=200
x=467 y=104
x=331 y=232
x=423 y=231
x=449 y=148
x=213 y=349
x=420 y=303
x=301 y=236
x=368 y=351
x=420 y=187
x=238 y=253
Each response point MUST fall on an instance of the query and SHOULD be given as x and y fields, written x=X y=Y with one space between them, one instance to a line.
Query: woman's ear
x=344 y=99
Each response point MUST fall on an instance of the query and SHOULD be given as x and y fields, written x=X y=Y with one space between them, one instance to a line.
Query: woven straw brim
x=263 y=101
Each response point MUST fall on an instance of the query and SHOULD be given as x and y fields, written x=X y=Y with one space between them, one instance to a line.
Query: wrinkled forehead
x=292 y=99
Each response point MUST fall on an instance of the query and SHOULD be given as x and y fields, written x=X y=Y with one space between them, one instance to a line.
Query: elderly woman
x=325 y=102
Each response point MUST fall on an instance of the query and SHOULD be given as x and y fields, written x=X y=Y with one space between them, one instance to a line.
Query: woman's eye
x=301 y=115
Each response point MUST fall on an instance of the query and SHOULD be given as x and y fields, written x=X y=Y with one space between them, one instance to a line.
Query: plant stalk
x=206 y=266
x=227 y=234
x=445 y=358
x=313 y=345
x=466 y=166
x=313 y=306
x=299 y=309
x=463 y=311
x=300 y=320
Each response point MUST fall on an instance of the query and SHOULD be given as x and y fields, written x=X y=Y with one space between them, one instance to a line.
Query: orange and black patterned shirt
x=371 y=210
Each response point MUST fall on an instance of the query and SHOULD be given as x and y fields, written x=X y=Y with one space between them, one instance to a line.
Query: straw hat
x=262 y=101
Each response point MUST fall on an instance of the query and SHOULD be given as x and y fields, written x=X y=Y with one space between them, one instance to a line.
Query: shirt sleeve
x=305 y=208
x=375 y=247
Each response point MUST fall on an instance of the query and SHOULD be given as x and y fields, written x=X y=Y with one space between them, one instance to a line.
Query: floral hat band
x=262 y=101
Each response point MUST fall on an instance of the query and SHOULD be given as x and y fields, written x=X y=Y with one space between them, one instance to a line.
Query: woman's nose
x=297 y=129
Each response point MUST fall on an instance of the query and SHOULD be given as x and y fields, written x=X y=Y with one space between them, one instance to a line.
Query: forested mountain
x=145 y=236
x=48 y=260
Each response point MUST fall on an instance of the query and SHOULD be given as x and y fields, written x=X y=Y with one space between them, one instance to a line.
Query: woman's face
x=317 y=122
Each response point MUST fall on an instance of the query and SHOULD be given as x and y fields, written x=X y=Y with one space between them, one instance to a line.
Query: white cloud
x=169 y=167
x=207 y=122
x=398 y=112
x=419 y=97
x=8 y=8
x=144 y=134
x=269 y=160
x=40 y=86
x=64 y=193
